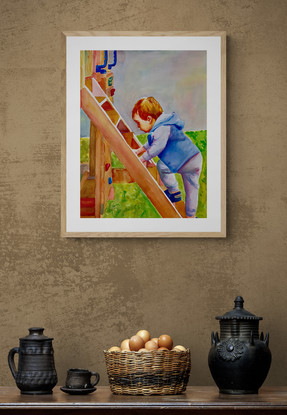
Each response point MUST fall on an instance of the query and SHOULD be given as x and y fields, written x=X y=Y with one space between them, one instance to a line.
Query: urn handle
x=11 y=361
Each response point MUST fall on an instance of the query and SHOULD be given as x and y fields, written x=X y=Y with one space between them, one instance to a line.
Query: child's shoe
x=173 y=197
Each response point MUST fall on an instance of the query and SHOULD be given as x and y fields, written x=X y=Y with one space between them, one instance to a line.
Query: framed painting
x=144 y=134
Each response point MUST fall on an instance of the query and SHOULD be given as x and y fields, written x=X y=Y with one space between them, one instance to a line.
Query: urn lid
x=238 y=313
x=36 y=334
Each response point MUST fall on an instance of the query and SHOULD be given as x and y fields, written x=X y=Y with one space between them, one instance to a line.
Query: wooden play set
x=110 y=133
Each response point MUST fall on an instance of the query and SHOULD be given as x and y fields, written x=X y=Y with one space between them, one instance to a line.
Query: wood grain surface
x=195 y=399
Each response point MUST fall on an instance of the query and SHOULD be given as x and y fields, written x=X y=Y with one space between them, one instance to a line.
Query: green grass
x=84 y=149
x=131 y=202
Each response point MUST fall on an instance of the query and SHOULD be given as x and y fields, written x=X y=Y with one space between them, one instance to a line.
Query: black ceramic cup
x=81 y=379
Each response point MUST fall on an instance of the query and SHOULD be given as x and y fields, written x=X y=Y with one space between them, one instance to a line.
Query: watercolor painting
x=167 y=131
x=144 y=138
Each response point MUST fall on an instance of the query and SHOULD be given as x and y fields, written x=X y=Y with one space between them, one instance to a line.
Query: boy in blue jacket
x=176 y=152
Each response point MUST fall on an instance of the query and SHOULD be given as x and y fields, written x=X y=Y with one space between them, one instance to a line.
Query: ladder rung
x=123 y=128
x=107 y=105
x=100 y=99
x=102 y=102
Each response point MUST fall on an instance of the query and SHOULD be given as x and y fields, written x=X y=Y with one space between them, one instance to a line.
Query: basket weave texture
x=148 y=373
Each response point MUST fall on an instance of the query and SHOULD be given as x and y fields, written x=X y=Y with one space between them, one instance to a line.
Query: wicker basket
x=148 y=373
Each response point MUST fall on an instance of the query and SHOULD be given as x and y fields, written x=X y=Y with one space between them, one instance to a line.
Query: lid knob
x=238 y=302
x=36 y=331
x=238 y=312
x=36 y=334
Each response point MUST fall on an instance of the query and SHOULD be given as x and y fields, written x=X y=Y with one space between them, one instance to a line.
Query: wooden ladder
x=122 y=140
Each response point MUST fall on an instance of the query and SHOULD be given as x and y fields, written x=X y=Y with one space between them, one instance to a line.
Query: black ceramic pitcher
x=239 y=360
x=36 y=374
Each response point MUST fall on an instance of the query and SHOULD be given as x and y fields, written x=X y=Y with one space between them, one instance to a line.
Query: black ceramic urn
x=36 y=374
x=239 y=361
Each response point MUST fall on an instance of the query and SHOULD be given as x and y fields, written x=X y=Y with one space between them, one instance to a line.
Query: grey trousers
x=190 y=172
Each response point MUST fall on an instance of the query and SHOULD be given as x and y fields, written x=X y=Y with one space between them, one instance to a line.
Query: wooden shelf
x=195 y=401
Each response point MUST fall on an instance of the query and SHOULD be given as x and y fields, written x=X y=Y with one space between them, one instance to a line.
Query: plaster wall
x=89 y=294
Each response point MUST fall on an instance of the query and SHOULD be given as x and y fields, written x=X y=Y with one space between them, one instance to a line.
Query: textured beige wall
x=90 y=294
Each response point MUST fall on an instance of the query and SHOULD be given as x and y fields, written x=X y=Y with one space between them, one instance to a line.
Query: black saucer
x=77 y=391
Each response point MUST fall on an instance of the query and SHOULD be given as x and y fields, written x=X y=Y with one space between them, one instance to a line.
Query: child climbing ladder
x=114 y=130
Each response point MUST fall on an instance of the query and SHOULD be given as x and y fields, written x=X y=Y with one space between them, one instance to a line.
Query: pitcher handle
x=97 y=378
x=11 y=361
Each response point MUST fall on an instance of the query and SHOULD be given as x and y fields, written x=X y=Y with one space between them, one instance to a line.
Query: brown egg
x=155 y=339
x=151 y=345
x=162 y=348
x=143 y=350
x=114 y=349
x=125 y=344
x=165 y=341
x=144 y=334
x=136 y=343
x=179 y=348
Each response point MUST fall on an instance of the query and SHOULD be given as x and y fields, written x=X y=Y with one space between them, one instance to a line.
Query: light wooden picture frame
x=178 y=82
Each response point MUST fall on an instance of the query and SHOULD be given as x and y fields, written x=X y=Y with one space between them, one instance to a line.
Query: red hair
x=147 y=107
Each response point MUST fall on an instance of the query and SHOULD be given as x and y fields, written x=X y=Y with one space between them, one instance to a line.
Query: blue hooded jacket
x=178 y=148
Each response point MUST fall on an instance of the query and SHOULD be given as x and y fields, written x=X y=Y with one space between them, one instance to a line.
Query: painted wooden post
x=82 y=68
x=89 y=63
x=92 y=150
